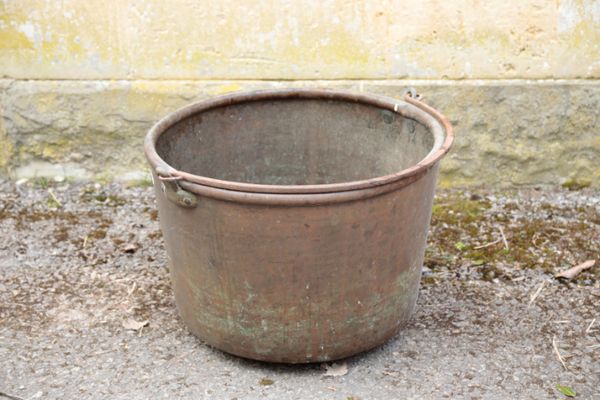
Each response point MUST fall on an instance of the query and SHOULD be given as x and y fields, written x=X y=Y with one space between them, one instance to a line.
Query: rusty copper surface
x=297 y=272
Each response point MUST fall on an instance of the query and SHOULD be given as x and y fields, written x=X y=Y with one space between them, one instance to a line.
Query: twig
x=589 y=328
x=10 y=396
x=559 y=230
x=58 y=203
x=483 y=246
x=99 y=353
x=554 y=345
x=131 y=289
x=536 y=294
x=503 y=238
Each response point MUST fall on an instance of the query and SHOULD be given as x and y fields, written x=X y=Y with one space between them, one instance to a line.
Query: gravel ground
x=77 y=262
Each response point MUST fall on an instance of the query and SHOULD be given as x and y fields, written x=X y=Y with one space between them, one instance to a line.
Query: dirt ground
x=83 y=267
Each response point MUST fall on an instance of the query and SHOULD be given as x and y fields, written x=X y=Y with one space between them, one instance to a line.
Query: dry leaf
x=336 y=369
x=134 y=325
x=574 y=271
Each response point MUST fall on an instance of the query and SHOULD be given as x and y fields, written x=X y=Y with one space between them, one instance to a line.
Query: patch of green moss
x=41 y=182
x=467 y=230
x=459 y=211
x=428 y=280
x=577 y=184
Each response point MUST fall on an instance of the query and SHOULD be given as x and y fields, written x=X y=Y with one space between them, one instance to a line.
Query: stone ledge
x=514 y=132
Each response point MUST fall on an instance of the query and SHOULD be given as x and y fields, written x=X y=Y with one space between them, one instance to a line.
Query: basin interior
x=295 y=142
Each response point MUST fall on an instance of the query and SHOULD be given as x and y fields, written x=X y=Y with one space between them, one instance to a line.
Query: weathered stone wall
x=309 y=39
x=81 y=81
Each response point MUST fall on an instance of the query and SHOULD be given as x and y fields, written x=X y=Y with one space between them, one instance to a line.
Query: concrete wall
x=81 y=81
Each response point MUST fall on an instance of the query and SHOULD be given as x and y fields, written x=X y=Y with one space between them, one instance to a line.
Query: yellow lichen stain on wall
x=45 y=102
x=13 y=39
x=46 y=150
x=51 y=39
x=227 y=88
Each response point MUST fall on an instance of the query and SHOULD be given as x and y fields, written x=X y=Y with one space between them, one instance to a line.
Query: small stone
x=130 y=248
x=76 y=157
